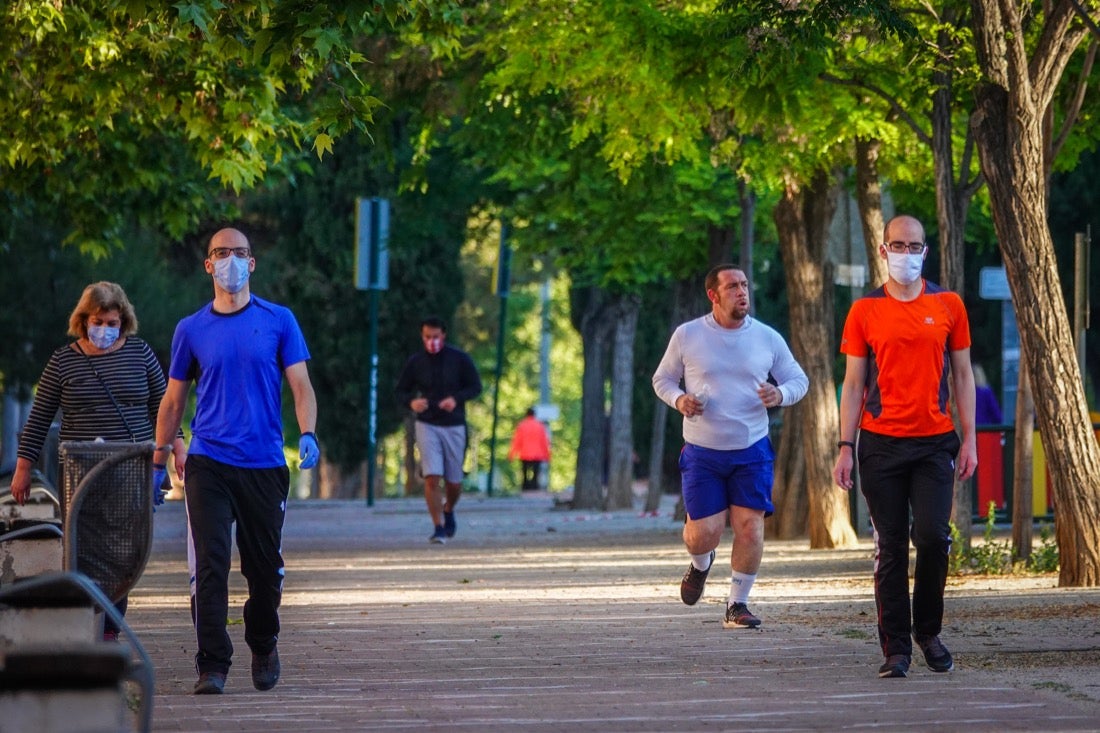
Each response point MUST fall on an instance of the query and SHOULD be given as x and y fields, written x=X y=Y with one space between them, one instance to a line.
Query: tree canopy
x=617 y=137
x=101 y=98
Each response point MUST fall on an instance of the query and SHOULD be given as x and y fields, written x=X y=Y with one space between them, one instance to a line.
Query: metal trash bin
x=107 y=511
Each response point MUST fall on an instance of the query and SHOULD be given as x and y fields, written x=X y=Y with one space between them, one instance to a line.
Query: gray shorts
x=442 y=450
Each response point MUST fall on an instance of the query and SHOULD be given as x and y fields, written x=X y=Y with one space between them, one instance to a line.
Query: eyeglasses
x=913 y=248
x=220 y=253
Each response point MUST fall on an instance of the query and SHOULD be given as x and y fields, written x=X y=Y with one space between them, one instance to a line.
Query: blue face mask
x=103 y=336
x=231 y=273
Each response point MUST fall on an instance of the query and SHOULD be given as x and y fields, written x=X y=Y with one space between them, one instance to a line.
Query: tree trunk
x=591 y=305
x=1022 y=516
x=328 y=481
x=869 y=201
x=802 y=219
x=681 y=297
x=1008 y=127
x=719 y=243
x=952 y=203
x=620 y=475
x=748 y=234
x=792 y=504
x=656 y=485
x=414 y=482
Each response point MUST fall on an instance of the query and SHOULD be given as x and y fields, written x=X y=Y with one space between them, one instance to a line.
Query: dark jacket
x=450 y=373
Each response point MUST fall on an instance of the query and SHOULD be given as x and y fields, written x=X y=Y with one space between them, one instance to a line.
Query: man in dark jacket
x=436 y=384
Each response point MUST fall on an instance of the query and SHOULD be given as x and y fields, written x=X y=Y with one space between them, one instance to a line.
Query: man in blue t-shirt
x=236 y=350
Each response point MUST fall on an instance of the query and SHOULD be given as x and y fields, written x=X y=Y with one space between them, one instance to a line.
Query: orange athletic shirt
x=907 y=346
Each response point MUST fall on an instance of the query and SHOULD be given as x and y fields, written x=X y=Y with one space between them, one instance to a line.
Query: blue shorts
x=715 y=480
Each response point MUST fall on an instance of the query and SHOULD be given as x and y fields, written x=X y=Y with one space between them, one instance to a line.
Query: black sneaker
x=896 y=665
x=449 y=524
x=265 y=670
x=210 y=683
x=935 y=653
x=738 y=616
x=439 y=537
x=691 y=587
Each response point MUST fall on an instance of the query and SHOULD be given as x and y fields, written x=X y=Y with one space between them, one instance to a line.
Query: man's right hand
x=419 y=405
x=842 y=470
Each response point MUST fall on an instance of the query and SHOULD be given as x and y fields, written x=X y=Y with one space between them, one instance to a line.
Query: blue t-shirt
x=237 y=361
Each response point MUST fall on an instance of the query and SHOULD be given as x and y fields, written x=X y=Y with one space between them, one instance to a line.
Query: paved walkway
x=538 y=619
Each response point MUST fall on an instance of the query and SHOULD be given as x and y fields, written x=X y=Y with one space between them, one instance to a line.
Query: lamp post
x=504 y=262
x=372 y=273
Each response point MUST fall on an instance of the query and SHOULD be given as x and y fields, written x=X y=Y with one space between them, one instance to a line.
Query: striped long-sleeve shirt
x=68 y=383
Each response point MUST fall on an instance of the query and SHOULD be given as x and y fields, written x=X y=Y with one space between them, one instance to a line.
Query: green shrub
x=994 y=557
x=1044 y=559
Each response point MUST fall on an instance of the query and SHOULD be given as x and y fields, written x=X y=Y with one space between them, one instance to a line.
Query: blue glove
x=308 y=450
x=160 y=474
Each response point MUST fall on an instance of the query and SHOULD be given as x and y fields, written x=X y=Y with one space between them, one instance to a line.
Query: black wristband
x=160 y=466
x=848 y=443
x=310 y=434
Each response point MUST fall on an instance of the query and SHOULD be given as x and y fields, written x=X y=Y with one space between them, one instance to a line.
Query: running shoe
x=896 y=665
x=210 y=683
x=265 y=670
x=691 y=587
x=935 y=653
x=738 y=616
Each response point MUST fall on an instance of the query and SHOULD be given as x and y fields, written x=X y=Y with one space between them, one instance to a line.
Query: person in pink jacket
x=531 y=445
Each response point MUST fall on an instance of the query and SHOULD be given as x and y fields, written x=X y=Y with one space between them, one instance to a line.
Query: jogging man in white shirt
x=716 y=373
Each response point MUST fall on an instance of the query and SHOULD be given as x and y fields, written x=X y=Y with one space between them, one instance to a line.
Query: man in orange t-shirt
x=904 y=342
x=531 y=445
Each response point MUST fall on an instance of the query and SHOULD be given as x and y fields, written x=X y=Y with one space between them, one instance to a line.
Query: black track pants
x=909 y=485
x=219 y=495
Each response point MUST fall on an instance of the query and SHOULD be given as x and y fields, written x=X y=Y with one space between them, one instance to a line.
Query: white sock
x=701 y=562
x=740 y=585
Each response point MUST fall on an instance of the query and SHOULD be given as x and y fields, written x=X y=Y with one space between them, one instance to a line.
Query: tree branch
x=1078 y=100
x=1056 y=45
x=969 y=186
x=923 y=136
x=1085 y=18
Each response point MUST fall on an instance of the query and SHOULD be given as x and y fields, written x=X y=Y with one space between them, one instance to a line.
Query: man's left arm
x=962 y=375
x=793 y=384
x=469 y=381
x=305 y=409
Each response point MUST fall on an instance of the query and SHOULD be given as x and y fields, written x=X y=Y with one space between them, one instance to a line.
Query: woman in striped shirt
x=105 y=356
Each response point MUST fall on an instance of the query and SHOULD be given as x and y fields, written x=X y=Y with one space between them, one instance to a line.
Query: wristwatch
x=848 y=443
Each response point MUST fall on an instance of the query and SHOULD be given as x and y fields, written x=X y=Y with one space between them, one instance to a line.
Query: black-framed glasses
x=220 y=253
x=913 y=248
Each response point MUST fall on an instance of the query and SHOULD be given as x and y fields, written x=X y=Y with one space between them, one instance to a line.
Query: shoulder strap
x=107 y=389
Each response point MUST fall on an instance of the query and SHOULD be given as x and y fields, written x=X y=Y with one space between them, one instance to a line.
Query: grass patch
x=1055 y=686
x=855 y=634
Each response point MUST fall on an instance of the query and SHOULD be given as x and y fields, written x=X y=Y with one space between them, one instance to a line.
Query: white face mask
x=905 y=268
x=103 y=336
x=231 y=273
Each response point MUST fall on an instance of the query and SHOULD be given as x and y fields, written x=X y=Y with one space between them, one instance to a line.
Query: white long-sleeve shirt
x=732 y=363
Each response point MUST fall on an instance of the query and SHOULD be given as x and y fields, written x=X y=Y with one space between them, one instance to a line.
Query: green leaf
x=322 y=144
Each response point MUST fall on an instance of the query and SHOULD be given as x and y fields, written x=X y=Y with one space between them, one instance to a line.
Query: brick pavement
x=541 y=620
